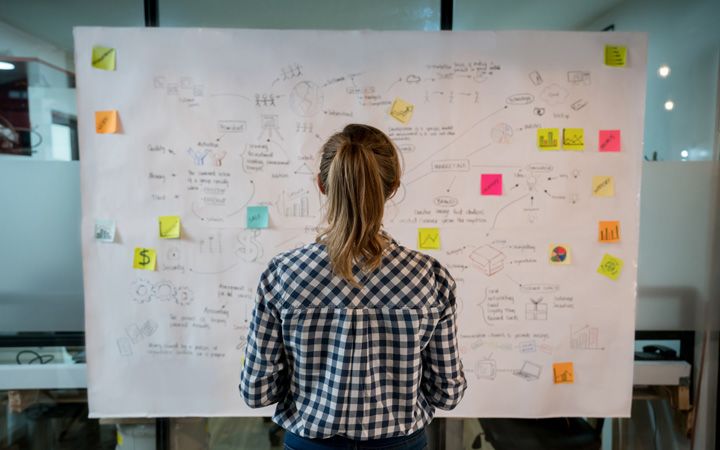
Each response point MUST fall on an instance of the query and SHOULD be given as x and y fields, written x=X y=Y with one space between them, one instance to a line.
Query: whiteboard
x=212 y=121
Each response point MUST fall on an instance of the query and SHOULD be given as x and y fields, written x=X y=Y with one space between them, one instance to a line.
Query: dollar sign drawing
x=145 y=257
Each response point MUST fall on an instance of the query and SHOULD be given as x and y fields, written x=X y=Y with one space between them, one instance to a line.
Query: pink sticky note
x=609 y=141
x=491 y=184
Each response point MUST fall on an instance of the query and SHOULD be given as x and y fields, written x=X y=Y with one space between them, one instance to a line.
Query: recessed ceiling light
x=669 y=105
x=6 y=65
x=664 y=71
x=684 y=153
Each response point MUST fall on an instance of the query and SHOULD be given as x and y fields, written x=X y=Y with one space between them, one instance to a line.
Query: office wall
x=684 y=35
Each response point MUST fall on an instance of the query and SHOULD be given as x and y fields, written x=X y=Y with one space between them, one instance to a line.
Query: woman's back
x=354 y=335
x=363 y=362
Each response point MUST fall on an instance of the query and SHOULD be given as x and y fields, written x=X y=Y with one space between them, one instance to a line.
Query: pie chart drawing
x=559 y=254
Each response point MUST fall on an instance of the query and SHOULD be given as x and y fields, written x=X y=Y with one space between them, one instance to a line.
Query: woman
x=354 y=336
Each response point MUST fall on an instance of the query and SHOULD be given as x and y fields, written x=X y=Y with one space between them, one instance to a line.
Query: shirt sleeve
x=443 y=380
x=264 y=379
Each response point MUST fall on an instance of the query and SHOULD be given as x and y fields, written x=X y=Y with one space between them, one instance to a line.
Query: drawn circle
x=173 y=254
x=142 y=291
x=558 y=254
x=306 y=99
x=164 y=291
x=501 y=133
x=184 y=296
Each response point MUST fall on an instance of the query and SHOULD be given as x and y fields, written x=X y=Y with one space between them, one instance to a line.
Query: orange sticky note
x=609 y=231
x=563 y=373
x=106 y=122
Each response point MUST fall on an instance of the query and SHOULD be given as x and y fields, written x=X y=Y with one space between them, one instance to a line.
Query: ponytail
x=359 y=171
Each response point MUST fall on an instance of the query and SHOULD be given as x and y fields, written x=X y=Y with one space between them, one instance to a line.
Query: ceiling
x=52 y=20
x=571 y=15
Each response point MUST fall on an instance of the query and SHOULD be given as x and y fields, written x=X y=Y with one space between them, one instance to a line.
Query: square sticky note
x=428 y=238
x=609 y=231
x=603 y=186
x=169 y=227
x=257 y=217
x=609 y=141
x=563 y=373
x=491 y=184
x=144 y=258
x=401 y=110
x=105 y=230
x=103 y=58
x=106 y=122
x=559 y=254
x=573 y=139
x=548 y=138
x=615 y=55
x=610 y=266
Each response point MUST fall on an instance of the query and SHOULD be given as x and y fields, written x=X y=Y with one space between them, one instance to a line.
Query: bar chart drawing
x=609 y=231
x=585 y=338
x=295 y=204
x=549 y=140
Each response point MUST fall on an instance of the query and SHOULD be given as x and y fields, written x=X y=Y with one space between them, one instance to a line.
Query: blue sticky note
x=257 y=217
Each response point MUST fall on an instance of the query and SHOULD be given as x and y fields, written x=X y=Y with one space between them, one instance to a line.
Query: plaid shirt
x=366 y=363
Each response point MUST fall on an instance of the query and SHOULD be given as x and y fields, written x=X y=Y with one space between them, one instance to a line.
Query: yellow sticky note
x=119 y=438
x=609 y=231
x=106 y=122
x=169 y=227
x=401 y=110
x=573 y=139
x=144 y=258
x=615 y=55
x=428 y=238
x=563 y=373
x=103 y=58
x=610 y=266
x=548 y=139
x=603 y=186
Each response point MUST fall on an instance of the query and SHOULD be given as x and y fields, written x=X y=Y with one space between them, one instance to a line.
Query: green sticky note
x=103 y=58
x=144 y=258
x=428 y=238
x=610 y=266
x=615 y=55
x=257 y=217
x=169 y=227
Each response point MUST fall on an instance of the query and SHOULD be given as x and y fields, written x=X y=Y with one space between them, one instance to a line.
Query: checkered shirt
x=365 y=363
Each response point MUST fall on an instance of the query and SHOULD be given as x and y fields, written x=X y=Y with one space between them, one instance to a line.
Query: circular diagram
x=306 y=99
x=559 y=255
x=501 y=133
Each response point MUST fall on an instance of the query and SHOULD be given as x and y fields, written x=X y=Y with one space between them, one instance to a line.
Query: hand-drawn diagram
x=498 y=149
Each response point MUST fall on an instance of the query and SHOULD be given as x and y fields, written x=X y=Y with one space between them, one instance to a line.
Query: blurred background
x=41 y=295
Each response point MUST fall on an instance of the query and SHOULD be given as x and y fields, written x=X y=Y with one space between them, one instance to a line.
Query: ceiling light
x=684 y=153
x=664 y=71
x=6 y=65
x=669 y=105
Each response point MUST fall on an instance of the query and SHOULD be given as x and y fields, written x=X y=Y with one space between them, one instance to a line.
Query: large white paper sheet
x=213 y=121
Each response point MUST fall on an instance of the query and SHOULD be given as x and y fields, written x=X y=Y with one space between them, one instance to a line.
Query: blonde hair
x=359 y=172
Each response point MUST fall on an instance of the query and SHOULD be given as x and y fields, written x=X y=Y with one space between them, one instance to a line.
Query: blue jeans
x=415 y=441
